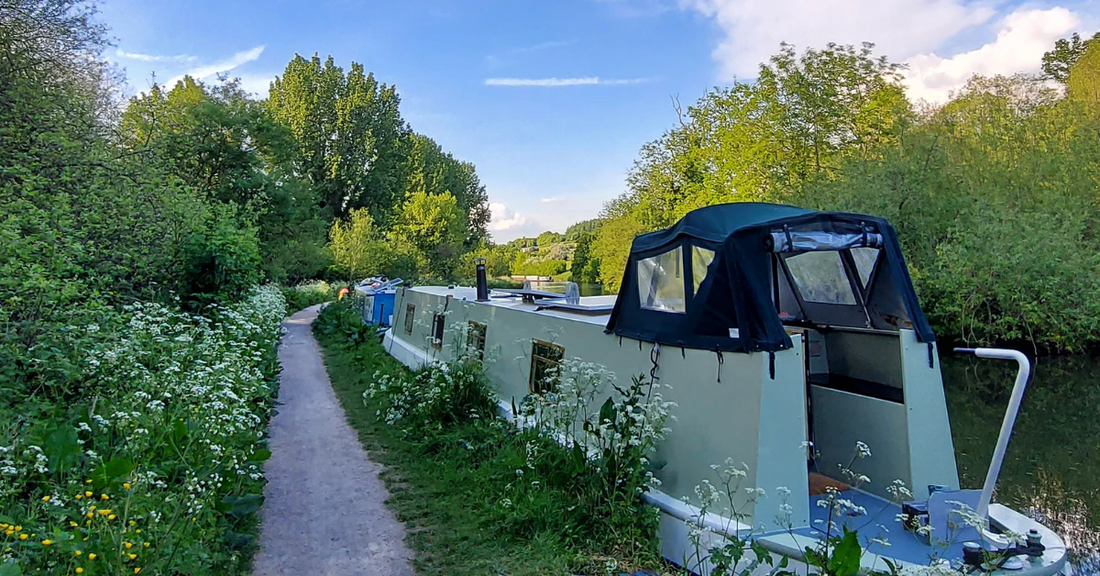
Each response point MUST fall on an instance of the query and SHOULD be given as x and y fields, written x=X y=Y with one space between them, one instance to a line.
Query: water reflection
x=1051 y=469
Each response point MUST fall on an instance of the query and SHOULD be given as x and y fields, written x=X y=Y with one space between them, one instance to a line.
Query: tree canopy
x=993 y=193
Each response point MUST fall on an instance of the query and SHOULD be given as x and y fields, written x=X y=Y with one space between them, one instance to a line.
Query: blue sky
x=552 y=100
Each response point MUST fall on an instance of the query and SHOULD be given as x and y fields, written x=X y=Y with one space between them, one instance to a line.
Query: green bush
x=308 y=294
x=163 y=453
x=220 y=261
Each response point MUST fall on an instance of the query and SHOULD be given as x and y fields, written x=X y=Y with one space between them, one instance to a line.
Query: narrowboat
x=778 y=328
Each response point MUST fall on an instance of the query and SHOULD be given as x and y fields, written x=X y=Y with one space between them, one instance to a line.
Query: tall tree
x=351 y=137
x=358 y=248
x=431 y=170
x=433 y=226
x=1066 y=52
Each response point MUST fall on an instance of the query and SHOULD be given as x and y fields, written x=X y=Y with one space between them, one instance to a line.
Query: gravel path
x=324 y=511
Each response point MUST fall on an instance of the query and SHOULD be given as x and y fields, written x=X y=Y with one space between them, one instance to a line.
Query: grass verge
x=447 y=487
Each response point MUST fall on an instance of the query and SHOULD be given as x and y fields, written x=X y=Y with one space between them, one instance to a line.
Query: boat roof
x=715 y=223
x=590 y=310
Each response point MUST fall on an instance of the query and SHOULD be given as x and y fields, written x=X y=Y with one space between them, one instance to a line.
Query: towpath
x=324 y=511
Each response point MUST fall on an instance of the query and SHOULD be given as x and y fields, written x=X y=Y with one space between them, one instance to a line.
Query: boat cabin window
x=700 y=263
x=475 y=340
x=438 y=321
x=661 y=282
x=546 y=360
x=865 y=259
x=821 y=278
x=410 y=315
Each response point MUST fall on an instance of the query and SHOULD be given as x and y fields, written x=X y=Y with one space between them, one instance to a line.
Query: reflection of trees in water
x=1068 y=515
x=1051 y=470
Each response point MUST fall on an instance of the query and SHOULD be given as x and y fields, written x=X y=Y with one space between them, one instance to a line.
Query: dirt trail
x=324 y=511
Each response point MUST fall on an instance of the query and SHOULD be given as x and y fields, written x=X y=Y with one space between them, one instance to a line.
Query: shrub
x=164 y=456
x=220 y=261
x=308 y=294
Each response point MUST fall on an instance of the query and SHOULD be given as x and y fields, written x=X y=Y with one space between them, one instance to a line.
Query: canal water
x=1052 y=468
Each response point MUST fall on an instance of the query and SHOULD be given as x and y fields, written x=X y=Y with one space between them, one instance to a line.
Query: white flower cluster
x=626 y=426
x=171 y=383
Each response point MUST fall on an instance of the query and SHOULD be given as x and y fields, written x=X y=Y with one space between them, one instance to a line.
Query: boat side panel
x=715 y=420
x=782 y=459
x=930 y=446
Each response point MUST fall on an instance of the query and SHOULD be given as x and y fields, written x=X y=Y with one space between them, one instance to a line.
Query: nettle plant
x=159 y=470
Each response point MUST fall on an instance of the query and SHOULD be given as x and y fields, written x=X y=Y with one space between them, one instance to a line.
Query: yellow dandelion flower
x=79 y=496
x=77 y=552
x=136 y=570
x=88 y=494
x=92 y=507
x=90 y=514
x=104 y=497
x=22 y=536
x=126 y=485
x=79 y=570
x=88 y=481
x=18 y=528
x=45 y=498
x=132 y=523
x=138 y=531
x=104 y=512
x=91 y=556
x=47 y=542
x=112 y=517
x=73 y=524
x=131 y=556
x=128 y=545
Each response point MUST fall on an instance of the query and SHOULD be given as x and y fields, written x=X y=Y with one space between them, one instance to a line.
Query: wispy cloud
x=554 y=82
x=154 y=57
x=222 y=66
x=541 y=46
x=549 y=200
x=506 y=57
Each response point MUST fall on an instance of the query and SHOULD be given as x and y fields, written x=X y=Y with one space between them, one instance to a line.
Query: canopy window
x=729 y=277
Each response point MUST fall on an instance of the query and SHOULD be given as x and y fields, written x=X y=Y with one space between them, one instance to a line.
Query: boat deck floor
x=879 y=522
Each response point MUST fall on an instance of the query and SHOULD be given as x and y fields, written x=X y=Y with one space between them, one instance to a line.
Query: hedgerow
x=157 y=467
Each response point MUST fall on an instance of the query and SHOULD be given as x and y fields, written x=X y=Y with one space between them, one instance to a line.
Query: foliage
x=349 y=133
x=498 y=260
x=227 y=147
x=1058 y=62
x=537 y=267
x=358 y=249
x=432 y=226
x=343 y=321
x=1083 y=80
x=156 y=466
x=992 y=194
x=574 y=232
x=584 y=267
x=219 y=261
x=519 y=485
x=991 y=197
x=308 y=294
